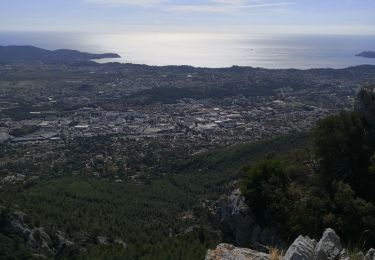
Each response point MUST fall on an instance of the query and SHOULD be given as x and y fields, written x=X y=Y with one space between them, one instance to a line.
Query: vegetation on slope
x=328 y=184
x=163 y=217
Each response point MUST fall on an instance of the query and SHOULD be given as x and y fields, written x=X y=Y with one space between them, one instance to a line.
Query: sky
x=263 y=16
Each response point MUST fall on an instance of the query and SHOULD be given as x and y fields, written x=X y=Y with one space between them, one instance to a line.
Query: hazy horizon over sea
x=210 y=49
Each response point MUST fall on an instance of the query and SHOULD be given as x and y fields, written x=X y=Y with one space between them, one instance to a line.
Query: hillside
x=327 y=187
x=163 y=217
x=13 y=54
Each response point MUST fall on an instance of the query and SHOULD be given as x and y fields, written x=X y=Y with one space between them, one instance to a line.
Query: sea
x=213 y=50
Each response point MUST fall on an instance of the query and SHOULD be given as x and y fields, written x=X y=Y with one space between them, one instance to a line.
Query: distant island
x=367 y=54
x=12 y=54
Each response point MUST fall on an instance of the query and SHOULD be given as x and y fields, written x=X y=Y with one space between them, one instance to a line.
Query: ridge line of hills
x=13 y=54
x=366 y=54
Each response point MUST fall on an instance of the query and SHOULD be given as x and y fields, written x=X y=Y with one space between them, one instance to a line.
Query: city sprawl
x=62 y=114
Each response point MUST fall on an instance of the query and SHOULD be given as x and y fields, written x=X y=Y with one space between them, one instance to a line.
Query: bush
x=265 y=187
x=354 y=217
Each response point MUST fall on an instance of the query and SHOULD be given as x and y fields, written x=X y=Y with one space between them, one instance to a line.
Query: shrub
x=265 y=189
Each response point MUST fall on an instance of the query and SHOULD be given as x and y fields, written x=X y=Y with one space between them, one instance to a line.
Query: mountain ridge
x=28 y=53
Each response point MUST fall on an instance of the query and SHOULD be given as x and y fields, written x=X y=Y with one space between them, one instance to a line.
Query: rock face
x=230 y=252
x=329 y=247
x=238 y=225
x=365 y=104
x=301 y=249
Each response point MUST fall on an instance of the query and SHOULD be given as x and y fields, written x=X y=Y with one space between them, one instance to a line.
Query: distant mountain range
x=12 y=54
x=367 y=54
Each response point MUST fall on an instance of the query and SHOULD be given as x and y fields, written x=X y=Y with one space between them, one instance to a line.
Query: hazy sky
x=300 y=16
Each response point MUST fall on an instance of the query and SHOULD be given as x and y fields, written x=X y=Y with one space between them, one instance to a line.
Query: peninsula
x=367 y=54
x=13 y=54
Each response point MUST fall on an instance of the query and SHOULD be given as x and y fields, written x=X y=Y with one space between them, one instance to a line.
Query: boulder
x=344 y=255
x=329 y=246
x=121 y=243
x=230 y=252
x=102 y=240
x=370 y=254
x=301 y=249
x=69 y=251
x=66 y=248
x=62 y=242
x=359 y=256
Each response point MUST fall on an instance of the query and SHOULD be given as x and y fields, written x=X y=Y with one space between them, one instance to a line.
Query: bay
x=209 y=49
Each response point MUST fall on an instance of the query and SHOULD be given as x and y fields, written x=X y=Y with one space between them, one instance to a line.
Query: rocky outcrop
x=230 y=252
x=47 y=245
x=329 y=247
x=40 y=240
x=370 y=255
x=303 y=248
x=66 y=248
x=14 y=223
x=36 y=238
x=238 y=225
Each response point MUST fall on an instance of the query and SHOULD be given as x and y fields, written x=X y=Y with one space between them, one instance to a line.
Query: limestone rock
x=238 y=225
x=62 y=242
x=370 y=254
x=69 y=250
x=121 y=243
x=39 y=239
x=359 y=256
x=344 y=255
x=329 y=246
x=230 y=252
x=235 y=219
x=48 y=245
x=16 y=224
x=301 y=249
x=102 y=240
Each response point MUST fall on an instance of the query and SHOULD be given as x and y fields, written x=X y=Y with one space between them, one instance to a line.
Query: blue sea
x=210 y=49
